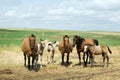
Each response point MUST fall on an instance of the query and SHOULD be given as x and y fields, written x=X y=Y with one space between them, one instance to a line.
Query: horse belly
x=98 y=50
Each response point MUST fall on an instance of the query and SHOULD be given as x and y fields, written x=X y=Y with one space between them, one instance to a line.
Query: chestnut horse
x=80 y=42
x=30 y=48
x=65 y=46
x=97 y=50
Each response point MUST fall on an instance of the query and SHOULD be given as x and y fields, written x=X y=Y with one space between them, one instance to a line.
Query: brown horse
x=97 y=50
x=65 y=46
x=80 y=42
x=30 y=48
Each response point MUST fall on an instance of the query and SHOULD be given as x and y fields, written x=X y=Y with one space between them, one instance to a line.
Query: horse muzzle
x=32 y=47
x=73 y=45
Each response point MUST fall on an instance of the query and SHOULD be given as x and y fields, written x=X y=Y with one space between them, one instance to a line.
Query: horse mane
x=96 y=42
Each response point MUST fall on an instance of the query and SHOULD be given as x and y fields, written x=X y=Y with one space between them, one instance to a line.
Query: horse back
x=89 y=41
x=104 y=49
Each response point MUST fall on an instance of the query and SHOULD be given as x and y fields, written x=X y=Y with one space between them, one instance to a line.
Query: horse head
x=65 y=41
x=32 y=40
x=75 y=40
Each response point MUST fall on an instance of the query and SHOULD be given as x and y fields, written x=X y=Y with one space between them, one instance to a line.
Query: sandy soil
x=11 y=68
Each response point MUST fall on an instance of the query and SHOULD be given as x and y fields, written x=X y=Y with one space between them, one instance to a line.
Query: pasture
x=11 y=57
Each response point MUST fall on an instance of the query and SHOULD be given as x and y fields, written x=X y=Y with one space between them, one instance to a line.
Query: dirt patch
x=11 y=68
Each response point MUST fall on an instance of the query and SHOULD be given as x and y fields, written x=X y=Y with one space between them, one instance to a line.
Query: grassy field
x=11 y=57
x=10 y=37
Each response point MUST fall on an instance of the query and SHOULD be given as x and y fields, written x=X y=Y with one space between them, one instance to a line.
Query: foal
x=41 y=47
x=51 y=50
x=97 y=50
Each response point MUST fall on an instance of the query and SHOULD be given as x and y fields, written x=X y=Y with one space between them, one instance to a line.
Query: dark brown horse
x=65 y=46
x=30 y=48
x=80 y=42
x=97 y=50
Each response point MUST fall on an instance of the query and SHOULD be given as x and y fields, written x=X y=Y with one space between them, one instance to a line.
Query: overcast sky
x=61 y=14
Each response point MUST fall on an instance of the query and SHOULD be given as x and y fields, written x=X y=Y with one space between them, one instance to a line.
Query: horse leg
x=107 y=60
x=24 y=59
x=85 y=64
x=62 y=58
x=79 y=57
x=28 y=62
x=103 y=59
x=35 y=62
x=52 y=56
x=87 y=59
x=33 y=59
x=41 y=60
x=67 y=58
x=48 y=57
x=92 y=59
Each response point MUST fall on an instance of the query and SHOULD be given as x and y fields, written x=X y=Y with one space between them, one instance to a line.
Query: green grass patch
x=10 y=37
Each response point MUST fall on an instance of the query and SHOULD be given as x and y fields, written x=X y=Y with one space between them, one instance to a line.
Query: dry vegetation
x=11 y=67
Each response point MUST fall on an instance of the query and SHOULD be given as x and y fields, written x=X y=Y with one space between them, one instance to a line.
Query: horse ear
x=75 y=36
x=54 y=41
x=66 y=36
x=41 y=40
x=32 y=35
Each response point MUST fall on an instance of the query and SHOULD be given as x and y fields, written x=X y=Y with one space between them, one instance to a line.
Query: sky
x=61 y=14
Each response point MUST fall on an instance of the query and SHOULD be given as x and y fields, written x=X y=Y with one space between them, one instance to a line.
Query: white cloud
x=10 y=13
x=16 y=14
x=67 y=12
x=106 y=4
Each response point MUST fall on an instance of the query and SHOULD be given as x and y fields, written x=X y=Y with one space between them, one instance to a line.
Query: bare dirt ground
x=11 y=68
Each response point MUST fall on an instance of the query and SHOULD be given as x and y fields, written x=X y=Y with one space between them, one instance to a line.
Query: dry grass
x=11 y=63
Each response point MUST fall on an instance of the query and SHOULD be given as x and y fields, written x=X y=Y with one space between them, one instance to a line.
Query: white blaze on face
x=85 y=48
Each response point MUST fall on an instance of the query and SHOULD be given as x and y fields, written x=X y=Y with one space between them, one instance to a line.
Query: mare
x=29 y=48
x=65 y=46
x=80 y=42
x=97 y=50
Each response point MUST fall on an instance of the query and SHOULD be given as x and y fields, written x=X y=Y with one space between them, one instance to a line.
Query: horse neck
x=80 y=43
x=54 y=45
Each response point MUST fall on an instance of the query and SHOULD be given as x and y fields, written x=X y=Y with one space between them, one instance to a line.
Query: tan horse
x=30 y=48
x=80 y=42
x=97 y=50
x=65 y=46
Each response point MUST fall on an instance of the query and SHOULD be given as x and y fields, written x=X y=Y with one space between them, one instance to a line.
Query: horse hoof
x=29 y=68
x=67 y=62
x=62 y=63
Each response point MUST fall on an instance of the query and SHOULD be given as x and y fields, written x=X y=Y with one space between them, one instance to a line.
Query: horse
x=80 y=42
x=97 y=50
x=65 y=46
x=29 y=48
x=50 y=47
x=41 y=47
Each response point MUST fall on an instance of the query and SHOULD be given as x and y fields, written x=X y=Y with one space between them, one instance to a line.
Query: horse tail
x=109 y=50
x=96 y=42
